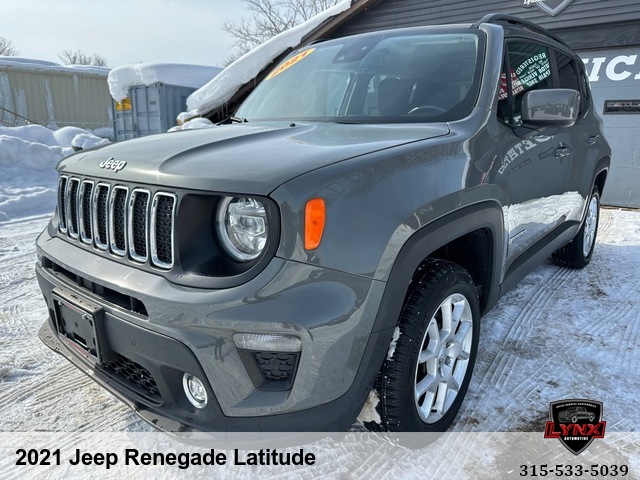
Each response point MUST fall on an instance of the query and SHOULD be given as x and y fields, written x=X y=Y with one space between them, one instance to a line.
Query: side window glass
x=569 y=77
x=567 y=73
x=503 y=98
x=574 y=77
x=586 y=92
x=530 y=70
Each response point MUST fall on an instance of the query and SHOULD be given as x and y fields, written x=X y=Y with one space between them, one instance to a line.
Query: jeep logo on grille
x=113 y=164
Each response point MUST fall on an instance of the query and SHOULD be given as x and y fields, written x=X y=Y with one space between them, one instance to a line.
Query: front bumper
x=168 y=330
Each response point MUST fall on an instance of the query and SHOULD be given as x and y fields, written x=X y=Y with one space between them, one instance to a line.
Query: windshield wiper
x=233 y=119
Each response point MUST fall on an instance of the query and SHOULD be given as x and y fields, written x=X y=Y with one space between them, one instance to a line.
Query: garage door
x=615 y=82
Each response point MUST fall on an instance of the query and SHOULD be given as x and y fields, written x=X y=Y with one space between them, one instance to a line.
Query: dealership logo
x=575 y=423
x=550 y=7
x=113 y=164
x=617 y=69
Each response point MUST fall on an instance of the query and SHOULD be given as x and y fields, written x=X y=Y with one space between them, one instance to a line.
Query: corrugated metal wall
x=56 y=98
x=150 y=109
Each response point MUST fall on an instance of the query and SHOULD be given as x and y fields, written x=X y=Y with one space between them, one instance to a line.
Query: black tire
x=574 y=419
x=400 y=407
x=573 y=254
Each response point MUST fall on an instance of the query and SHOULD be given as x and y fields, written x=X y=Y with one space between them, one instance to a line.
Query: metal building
x=147 y=97
x=149 y=109
x=34 y=91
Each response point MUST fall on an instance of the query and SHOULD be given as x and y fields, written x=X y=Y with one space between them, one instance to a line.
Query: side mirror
x=557 y=107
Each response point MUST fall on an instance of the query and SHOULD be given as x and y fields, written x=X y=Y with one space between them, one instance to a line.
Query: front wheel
x=578 y=252
x=427 y=371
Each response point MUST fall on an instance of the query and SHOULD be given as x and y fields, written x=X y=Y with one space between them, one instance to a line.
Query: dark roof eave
x=326 y=28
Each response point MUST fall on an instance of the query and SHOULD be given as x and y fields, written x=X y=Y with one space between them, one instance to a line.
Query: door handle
x=563 y=152
x=593 y=139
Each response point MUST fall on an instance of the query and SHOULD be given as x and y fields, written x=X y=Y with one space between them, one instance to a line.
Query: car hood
x=241 y=158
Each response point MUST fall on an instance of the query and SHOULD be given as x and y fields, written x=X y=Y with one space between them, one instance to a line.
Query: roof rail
x=510 y=19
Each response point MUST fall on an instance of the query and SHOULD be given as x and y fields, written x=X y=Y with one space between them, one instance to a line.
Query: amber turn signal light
x=314 y=216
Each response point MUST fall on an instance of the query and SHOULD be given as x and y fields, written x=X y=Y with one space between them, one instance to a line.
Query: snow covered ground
x=559 y=334
x=28 y=156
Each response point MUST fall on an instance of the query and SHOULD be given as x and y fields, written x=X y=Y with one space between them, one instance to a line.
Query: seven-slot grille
x=119 y=219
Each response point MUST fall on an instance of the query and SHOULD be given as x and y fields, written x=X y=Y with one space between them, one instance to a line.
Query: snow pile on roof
x=183 y=75
x=28 y=156
x=20 y=63
x=244 y=69
x=27 y=61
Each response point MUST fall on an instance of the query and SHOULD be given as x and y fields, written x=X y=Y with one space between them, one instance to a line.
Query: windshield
x=392 y=77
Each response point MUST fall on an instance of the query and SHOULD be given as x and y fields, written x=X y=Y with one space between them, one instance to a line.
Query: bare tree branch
x=269 y=18
x=7 y=48
x=78 y=57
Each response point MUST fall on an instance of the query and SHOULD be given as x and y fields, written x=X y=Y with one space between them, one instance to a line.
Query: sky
x=122 y=31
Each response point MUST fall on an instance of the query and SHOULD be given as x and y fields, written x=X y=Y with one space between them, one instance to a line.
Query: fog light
x=267 y=341
x=194 y=390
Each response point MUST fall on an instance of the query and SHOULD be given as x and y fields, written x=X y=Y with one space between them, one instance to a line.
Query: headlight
x=242 y=227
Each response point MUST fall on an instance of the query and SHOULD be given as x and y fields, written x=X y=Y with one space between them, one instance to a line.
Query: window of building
x=621 y=106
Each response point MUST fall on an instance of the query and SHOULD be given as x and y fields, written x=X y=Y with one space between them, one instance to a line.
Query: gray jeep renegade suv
x=342 y=233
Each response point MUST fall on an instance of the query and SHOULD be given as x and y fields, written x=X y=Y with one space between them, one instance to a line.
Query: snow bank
x=78 y=138
x=104 y=132
x=244 y=69
x=124 y=77
x=28 y=156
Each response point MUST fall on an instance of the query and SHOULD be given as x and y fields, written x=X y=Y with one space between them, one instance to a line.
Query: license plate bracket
x=80 y=325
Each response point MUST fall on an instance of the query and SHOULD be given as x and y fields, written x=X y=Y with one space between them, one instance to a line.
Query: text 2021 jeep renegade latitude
x=343 y=232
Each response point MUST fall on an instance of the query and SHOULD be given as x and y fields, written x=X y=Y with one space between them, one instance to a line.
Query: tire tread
x=434 y=275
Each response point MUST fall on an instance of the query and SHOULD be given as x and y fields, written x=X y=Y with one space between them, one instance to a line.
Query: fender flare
x=484 y=215
x=603 y=165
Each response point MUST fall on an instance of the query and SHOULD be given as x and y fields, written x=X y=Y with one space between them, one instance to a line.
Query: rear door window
x=568 y=76
x=530 y=69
